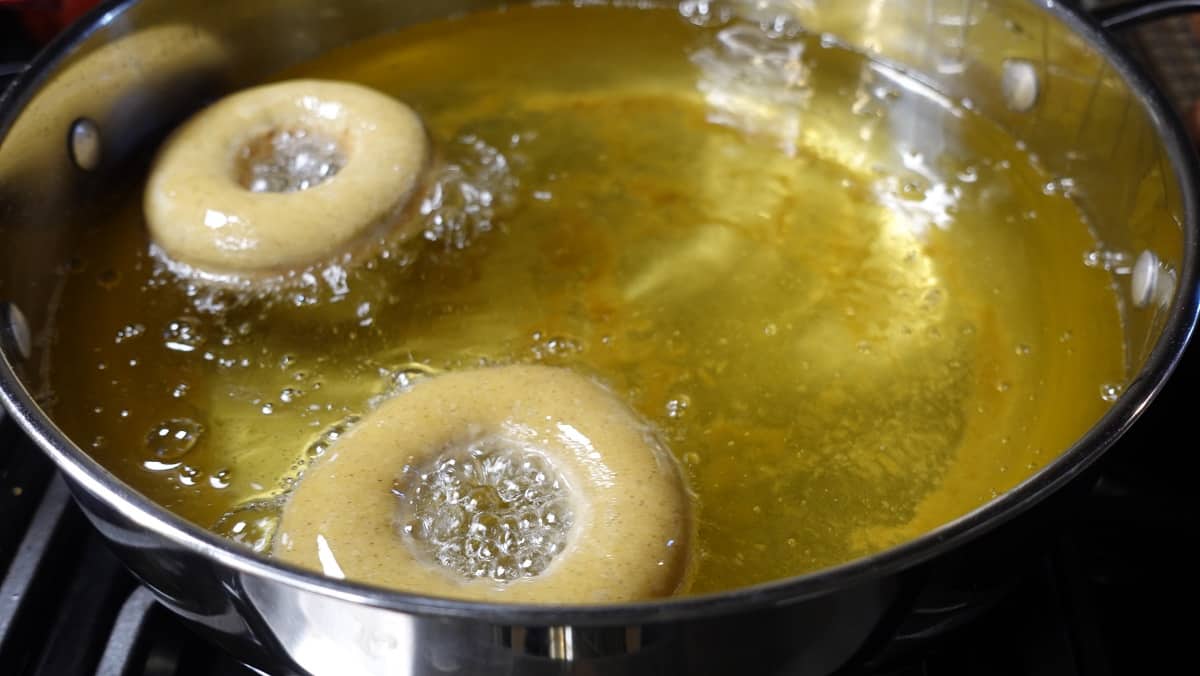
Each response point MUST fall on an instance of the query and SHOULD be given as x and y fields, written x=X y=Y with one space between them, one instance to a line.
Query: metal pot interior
x=140 y=67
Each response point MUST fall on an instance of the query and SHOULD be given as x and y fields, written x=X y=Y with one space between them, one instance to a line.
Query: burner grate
x=67 y=605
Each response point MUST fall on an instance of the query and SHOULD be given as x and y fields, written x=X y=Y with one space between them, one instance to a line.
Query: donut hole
x=288 y=160
x=492 y=508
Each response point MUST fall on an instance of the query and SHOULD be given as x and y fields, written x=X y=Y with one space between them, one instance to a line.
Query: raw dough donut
x=202 y=213
x=401 y=500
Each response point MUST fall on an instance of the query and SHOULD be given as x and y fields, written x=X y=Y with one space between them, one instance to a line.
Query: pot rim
x=86 y=474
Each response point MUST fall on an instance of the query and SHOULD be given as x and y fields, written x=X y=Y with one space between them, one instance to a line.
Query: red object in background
x=43 y=19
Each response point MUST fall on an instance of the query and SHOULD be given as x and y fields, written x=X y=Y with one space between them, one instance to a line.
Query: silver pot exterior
x=284 y=629
x=134 y=69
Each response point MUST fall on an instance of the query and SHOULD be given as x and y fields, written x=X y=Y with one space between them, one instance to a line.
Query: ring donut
x=519 y=484
x=206 y=210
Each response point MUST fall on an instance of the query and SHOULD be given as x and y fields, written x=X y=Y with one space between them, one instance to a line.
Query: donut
x=282 y=176
x=527 y=484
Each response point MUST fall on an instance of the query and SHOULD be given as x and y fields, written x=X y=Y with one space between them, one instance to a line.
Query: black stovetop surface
x=1112 y=593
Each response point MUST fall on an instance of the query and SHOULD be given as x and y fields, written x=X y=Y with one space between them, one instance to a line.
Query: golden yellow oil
x=844 y=338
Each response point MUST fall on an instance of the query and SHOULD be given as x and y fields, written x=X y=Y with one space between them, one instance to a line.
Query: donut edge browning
x=628 y=503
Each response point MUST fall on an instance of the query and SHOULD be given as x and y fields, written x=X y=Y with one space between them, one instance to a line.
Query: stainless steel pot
x=113 y=83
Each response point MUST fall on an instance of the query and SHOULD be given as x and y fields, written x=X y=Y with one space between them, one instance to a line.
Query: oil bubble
x=181 y=335
x=251 y=525
x=677 y=406
x=705 y=13
x=220 y=479
x=318 y=447
x=467 y=196
x=171 y=439
x=555 y=346
x=490 y=510
x=188 y=475
x=129 y=332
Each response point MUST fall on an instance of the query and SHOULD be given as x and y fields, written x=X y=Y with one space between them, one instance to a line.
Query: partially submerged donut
x=278 y=177
x=520 y=484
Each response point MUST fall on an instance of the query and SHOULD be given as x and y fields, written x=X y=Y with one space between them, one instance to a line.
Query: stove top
x=1107 y=596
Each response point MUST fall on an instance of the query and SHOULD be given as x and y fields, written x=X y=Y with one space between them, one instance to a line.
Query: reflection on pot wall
x=1017 y=65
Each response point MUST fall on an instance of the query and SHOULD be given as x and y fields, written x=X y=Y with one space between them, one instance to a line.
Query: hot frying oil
x=853 y=310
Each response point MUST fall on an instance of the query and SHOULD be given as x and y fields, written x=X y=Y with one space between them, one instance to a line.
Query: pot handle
x=1128 y=14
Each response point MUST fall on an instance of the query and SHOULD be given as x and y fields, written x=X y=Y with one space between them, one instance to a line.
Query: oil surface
x=846 y=338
